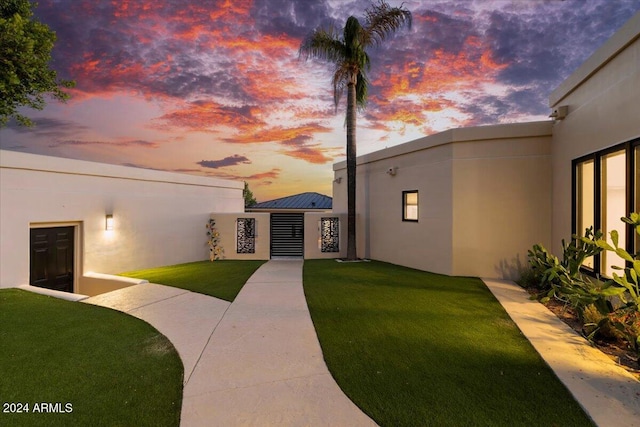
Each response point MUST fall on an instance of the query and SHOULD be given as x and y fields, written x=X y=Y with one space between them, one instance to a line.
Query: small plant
x=216 y=251
x=598 y=324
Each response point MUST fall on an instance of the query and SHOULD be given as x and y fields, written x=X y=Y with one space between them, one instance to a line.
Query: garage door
x=51 y=258
x=287 y=235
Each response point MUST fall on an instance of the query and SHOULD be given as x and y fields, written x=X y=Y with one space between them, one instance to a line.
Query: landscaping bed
x=617 y=349
x=605 y=309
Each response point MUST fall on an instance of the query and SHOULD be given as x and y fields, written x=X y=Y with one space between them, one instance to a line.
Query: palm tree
x=348 y=51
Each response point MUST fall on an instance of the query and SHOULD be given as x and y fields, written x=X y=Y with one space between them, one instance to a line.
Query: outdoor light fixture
x=338 y=180
x=392 y=171
x=108 y=222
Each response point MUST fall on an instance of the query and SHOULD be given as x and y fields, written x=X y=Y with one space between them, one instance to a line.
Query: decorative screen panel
x=330 y=234
x=246 y=236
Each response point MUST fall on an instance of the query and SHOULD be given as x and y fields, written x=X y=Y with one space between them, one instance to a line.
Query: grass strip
x=89 y=364
x=414 y=348
x=221 y=279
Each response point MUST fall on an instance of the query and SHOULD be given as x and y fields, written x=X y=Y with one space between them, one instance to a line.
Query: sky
x=217 y=88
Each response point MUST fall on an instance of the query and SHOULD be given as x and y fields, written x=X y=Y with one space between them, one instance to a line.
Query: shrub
x=529 y=278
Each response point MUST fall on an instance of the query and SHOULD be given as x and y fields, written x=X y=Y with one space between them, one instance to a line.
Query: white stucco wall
x=604 y=110
x=484 y=199
x=159 y=216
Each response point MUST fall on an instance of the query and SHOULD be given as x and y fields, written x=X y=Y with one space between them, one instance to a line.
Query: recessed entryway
x=52 y=258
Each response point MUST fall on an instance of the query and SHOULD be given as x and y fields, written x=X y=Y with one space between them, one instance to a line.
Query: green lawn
x=413 y=349
x=101 y=367
x=220 y=279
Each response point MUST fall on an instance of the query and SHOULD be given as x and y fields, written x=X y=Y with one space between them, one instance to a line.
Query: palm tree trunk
x=352 y=253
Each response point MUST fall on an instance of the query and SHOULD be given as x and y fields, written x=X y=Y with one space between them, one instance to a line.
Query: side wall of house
x=159 y=217
x=381 y=179
x=501 y=202
x=602 y=97
x=474 y=184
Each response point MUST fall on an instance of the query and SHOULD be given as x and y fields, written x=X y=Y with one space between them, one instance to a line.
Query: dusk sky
x=216 y=88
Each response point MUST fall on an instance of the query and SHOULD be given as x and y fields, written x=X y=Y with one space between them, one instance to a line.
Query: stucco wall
x=602 y=96
x=501 y=203
x=484 y=199
x=312 y=236
x=226 y=226
x=159 y=217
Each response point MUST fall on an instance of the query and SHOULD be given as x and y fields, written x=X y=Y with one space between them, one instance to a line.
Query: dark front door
x=287 y=235
x=52 y=258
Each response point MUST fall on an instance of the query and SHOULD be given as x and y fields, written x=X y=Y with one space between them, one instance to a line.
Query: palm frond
x=383 y=20
x=352 y=34
x=347 y=51
x=339 y=81
x=322 y=44
x=362 y=90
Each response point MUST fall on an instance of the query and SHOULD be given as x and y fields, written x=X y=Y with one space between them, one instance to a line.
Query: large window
x=606 y=188
x=636 y=197
x=614 y=205
x=585 y=199
x=410 y=205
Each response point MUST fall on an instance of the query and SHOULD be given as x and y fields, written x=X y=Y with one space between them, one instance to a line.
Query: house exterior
x=62 y=220
x=600 y=135
x=298 y=226
x=472 y=201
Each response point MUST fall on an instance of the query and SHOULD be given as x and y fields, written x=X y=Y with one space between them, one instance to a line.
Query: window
x=585 y=197
x=636 y=183
x=613 y=205
x=605 y=189
x=410 y=205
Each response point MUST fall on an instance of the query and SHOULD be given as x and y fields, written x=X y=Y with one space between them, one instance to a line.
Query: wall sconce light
x=392 y=171
x=108 y=222
x=338 y=180
x=560 y=113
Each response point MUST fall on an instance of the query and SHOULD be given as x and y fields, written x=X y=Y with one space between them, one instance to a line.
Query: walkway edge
x=608 y=393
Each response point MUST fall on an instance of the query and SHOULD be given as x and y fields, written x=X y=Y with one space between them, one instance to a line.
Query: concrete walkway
x=257 y=361
x=607 y=392
x=187 y=318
